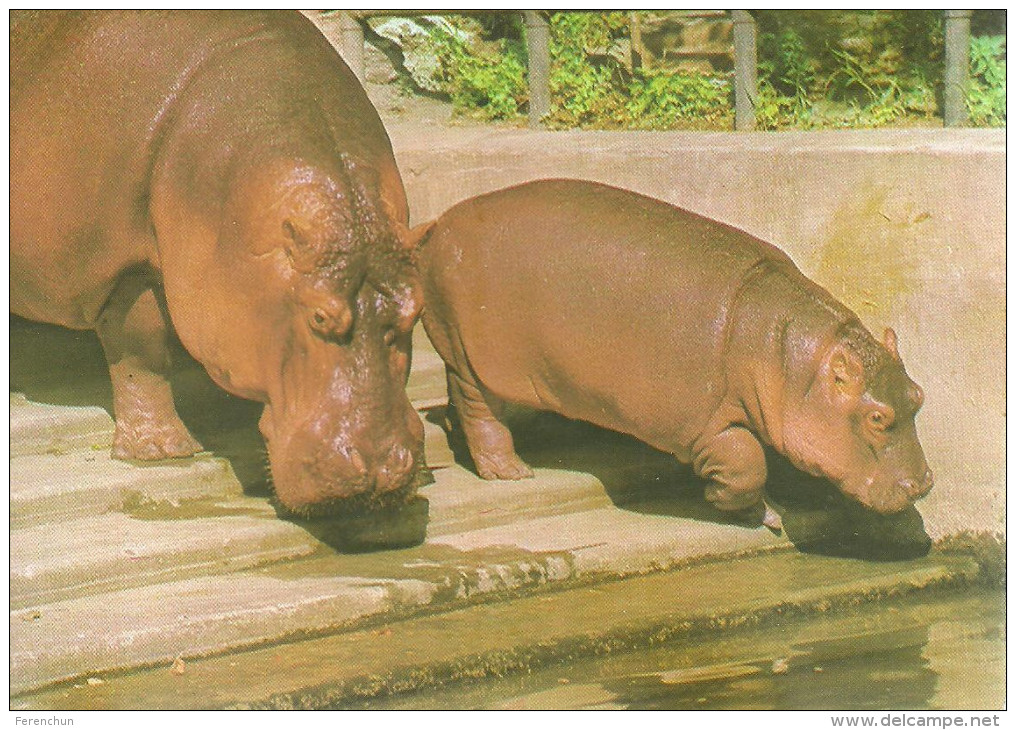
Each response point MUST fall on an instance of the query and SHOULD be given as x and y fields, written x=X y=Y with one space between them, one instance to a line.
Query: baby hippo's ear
x=845 y=373
x=411 y=238
x=890 y=342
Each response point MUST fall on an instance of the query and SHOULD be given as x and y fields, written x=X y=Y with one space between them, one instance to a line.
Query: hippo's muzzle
x=891 y=496
x=325 y=467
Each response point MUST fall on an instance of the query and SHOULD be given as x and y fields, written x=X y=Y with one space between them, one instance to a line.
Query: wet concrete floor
x=947 y=653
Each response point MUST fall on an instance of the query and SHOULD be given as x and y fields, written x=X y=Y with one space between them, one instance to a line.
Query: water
x=917 y=654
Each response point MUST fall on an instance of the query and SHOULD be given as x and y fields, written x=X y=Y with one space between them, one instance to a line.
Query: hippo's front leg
x=489 y=440
x=133 y=332
x=735 y=465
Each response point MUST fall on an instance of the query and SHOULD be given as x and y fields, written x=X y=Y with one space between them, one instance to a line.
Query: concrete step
x=153 y=543
x=461 y=502
x=482 y=538
x=473 y=641
x=53 y=488
x=202 y=615
x=147 y=541
x=37 y=428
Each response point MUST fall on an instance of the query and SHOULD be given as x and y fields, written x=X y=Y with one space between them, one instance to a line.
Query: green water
x=946 y=653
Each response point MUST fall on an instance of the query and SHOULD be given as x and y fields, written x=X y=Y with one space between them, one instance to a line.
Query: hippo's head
x=325 y=292
x=854 y=424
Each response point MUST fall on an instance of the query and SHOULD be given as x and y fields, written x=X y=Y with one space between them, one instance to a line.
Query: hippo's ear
x=846 y=372
x=411 y=238
x=890 y=342
x=298 y=246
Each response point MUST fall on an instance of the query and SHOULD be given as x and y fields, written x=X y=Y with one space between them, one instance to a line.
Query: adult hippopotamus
x=699 y=339
x=223 y=172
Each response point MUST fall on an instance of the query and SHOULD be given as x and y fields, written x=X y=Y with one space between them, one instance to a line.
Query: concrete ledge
x=484 y=538
x=51 y=488
x=496 y=639
x=116 y=551
x=37 y=428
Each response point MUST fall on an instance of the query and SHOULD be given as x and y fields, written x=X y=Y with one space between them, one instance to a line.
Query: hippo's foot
x=758 y=515
x=502 y=466
x=489 y=440
x=772 y=520
x=152 y=441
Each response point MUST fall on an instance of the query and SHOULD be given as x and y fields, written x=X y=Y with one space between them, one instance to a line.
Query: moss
x=987 y=549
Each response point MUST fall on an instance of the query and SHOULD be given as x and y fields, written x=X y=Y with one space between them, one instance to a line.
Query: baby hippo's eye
x=880 y=419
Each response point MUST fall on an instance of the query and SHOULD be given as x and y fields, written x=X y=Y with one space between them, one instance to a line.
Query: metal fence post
x=745 y=70
x=957 y=66
x=538 y=44
x=352 y=45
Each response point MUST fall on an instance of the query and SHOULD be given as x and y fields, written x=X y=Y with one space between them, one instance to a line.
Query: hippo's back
x=94 y=97
x=593 y=301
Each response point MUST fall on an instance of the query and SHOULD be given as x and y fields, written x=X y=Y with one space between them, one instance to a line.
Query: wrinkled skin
x=695 y=337
x=222 y=173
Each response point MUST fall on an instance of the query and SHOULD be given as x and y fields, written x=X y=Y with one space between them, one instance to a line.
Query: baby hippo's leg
x=489 y=440
x=735 y=465
x=132 y=330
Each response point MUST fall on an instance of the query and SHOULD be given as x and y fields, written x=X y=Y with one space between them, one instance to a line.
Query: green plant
x=792 y=71
x=584 y=93
x=487 y=79
x=986 y=92
x=817 y=69
x=591 y=87
x=661 y=100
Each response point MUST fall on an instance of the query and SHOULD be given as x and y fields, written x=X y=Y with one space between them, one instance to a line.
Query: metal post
x=745 y=71
x=637 y=52
x=352 y=45
x=538 y=43
x=957 y=66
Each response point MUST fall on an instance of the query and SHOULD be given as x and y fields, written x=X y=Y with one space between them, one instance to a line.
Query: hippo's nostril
x=356 y=461
x=396 y=469
x=910 y=487
x=929 y=479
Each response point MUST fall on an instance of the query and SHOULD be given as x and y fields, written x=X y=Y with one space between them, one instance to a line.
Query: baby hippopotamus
x=699 y=339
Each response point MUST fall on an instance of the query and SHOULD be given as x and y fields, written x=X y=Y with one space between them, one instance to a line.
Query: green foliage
x=487 y=78
x=817 y=69
x=583 y=93
x=858 y=69
x=786 y=64
x=591 y=87
x=665 y=100
x=986 y=94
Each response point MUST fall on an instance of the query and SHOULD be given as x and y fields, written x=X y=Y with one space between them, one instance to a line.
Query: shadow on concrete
x=58 y=366
x=817 y=518
x=54 y=365
x=388 y=528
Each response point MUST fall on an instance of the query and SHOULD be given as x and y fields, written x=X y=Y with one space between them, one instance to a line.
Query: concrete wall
x=905 y=227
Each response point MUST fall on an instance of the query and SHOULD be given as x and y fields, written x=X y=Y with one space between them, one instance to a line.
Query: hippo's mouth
x=888 y=500
x=363 y=501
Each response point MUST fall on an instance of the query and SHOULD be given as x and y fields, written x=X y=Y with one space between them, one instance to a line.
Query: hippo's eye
x=880 y=419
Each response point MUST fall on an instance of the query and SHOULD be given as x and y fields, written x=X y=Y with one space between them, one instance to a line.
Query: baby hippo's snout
x=917 y=488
